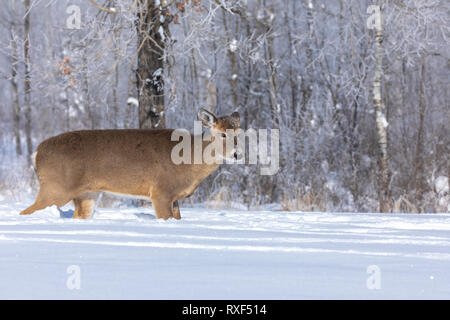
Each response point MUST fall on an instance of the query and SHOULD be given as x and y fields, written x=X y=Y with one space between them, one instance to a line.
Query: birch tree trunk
x=292 y=74
x=380 y=117
x=115 y=121
x=269 y=52
x=132 y=104
x=27 y=84
x=419 y=166
x=87 y=97
x=232 y=55
x=15 y=90
x=306 y=84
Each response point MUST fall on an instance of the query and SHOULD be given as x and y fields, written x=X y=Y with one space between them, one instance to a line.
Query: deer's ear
x=236 y=118
x=207 y=118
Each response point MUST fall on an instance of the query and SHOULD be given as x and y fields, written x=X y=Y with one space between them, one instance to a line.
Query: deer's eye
x=223 y=135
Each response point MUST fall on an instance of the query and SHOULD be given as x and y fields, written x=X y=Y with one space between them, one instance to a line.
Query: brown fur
x=77 y=165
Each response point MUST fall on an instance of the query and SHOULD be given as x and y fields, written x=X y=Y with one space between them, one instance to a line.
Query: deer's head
x=223 y=128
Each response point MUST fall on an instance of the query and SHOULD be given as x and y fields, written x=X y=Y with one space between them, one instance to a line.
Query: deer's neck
x=203 y=169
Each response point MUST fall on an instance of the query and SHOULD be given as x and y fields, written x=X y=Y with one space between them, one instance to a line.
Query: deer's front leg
x=163 y=207
x=176 y=210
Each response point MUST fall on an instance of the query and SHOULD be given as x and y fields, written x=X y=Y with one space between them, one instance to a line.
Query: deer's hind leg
x=48 y=196
x=84 y=205
x=176 y=210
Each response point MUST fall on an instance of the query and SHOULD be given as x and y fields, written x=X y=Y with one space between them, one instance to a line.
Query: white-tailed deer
x=78 y=165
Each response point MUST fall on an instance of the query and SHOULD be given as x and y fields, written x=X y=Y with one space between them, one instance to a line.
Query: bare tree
x=152 y=29
x=14 y=83
x=380 y=115
x=27 y=83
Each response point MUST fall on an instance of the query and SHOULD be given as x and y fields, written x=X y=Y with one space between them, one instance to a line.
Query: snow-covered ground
x=223 y=254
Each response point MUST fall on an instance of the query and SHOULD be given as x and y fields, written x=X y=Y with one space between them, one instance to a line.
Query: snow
x=260 y=14
x=222 y=254
x=157 y=72
x=161 y=33
x=382 y=120
x=441 y=184
x=133 y=101
x=233 y=45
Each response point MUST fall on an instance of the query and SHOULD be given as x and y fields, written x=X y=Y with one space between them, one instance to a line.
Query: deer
x=80 y=165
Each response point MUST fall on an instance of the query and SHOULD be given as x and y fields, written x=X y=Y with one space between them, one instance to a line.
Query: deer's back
x=123 y=158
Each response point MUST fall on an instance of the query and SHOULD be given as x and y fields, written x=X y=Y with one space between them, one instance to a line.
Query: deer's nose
x=235 y=156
